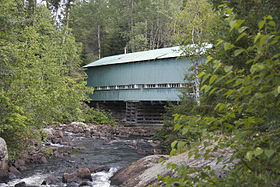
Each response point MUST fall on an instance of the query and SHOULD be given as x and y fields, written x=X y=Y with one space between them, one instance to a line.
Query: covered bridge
x=136 y=86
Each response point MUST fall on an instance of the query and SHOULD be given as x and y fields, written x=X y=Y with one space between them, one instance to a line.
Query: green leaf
x=219 y=42
x=228 y=46
x=201 y=74
x=185 y=131
x=159 y=177
x=207 y=88
x=235 y=24
x=214 y=89
x=261 y=24
x=242 y=29
x=212 y=79
x=180 y=145
x=172 y=152
x=240 y=36
x=269 y=17
x=264 y=40
x=231 y=24
x=238 y=52
x=205 y=77
x=257 y=37
x=203 y=87
x=229 y=92
x=222 y=106
x=269 y=152
x=275 y=40
x=257 y=67
x=173 y=144
x=249 y=155
x=278 y=89
x=228 y=68
x=258 y=151
x=271 y=23
x=177 y=126
x=176 y=117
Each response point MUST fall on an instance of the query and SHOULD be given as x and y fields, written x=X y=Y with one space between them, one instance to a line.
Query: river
x=113 y=153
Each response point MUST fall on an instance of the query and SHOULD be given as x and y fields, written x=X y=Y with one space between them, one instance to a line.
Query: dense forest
x=44 y=44
x=115 y=27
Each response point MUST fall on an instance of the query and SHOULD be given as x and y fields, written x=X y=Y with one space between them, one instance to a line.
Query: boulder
x=80 y=124
x=69 y=178
x=19 y=163
x=83 y=173
x=127 y=175
x=4 y=175
x=85 y=183
x=49 y=131
x=51 y=179
x=78 y=175
x=23 y=184
x=43 y=160
x=144 y=172
x=14 y=171
x=60 y=134
x=99 y=168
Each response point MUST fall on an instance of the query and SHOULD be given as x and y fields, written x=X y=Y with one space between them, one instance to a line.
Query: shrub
x=92 y=115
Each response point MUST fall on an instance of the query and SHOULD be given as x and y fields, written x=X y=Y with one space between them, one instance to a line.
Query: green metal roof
x=171 y=52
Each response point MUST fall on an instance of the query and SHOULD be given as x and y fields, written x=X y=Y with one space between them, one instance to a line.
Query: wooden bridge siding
x=150 y=72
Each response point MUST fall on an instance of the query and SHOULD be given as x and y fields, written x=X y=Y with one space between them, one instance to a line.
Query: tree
x=40 y=81
x=113 y=27
x=241 y=84
x=195 y=26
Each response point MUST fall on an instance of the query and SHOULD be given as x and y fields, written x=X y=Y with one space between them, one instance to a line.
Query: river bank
x=66 y=141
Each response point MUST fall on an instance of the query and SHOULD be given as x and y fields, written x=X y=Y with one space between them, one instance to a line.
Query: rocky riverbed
x=80 y=154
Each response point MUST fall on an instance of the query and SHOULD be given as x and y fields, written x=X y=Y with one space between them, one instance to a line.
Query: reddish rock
x=60 y=133
x=14 y=171
x=43 y=160
x=68 y=178
x=78 y=175
x=83 y=173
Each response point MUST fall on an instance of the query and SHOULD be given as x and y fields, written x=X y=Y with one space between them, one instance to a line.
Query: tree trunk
x=197 y=83
x=196 y=71
x=99 y=41
x=131 y=25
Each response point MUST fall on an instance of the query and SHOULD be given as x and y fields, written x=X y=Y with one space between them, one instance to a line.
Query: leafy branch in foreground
x=246 y=113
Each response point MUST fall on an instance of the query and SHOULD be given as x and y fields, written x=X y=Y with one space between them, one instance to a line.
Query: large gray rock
x=144 y=172
x=129 y=176
x=3 y=161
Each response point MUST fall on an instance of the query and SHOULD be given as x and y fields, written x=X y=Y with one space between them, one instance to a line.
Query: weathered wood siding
x=149 y=72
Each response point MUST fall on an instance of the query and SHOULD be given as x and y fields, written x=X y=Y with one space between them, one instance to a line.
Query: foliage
x=246 y=107
x=92 y=115
x=166 y=135
x=195 y=27
x=113 y=27
x=40 y=79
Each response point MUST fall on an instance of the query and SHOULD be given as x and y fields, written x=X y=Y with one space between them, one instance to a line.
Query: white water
x=115 y=154
x=100 y=179
x=32 y=180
